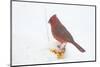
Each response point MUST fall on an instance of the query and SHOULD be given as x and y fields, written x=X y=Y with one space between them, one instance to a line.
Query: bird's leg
x=63 y=47
x=58 y=46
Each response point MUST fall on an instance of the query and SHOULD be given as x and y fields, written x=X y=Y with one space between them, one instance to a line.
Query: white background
x=30 y=44
x=4 y=32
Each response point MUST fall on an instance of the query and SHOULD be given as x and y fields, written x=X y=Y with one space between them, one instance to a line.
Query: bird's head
x=52 y=19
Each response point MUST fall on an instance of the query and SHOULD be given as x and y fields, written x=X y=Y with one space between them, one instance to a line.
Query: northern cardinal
x=61 y=34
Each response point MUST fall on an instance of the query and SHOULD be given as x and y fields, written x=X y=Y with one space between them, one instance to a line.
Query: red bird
x=61 y=34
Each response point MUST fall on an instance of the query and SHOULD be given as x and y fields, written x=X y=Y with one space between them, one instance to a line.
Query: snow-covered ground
x=32 y=38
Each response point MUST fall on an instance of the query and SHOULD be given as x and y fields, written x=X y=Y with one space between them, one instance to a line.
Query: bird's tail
x=78 y=47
